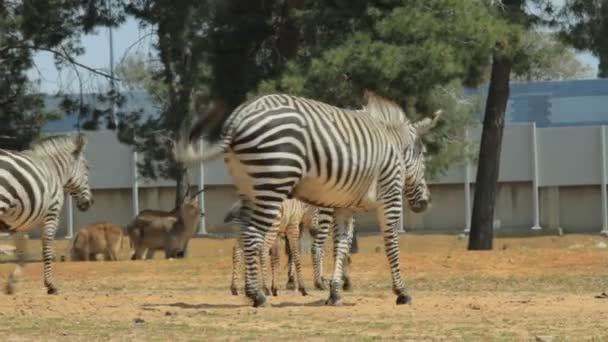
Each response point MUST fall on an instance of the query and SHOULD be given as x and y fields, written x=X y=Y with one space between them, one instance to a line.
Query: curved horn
x=183 y=200
x=198 y=193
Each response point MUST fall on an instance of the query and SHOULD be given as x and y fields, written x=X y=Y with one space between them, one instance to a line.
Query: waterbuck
x=97 y=238
x=170 y=231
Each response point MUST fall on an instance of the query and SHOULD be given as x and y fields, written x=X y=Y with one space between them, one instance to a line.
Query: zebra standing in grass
x=32 y=185
x=282 y=146
x=293 y=219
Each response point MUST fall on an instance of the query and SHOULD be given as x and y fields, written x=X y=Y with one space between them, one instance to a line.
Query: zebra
x=294 y=218
x=32 y=186
x=280 y=146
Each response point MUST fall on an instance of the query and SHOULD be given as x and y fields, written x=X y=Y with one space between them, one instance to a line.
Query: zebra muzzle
x=84 y=205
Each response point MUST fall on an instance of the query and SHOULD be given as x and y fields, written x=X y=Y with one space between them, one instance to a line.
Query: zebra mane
x=52 y=145
x=384 y=109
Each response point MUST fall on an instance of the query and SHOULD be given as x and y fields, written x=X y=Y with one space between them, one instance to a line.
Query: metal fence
x=553 y=157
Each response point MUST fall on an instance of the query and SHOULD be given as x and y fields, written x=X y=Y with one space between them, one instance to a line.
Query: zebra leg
x=48 y=236
x=291 y=281
x=265 y=255
x=342 y=248
x=293 y=238
x=347 y=285
x=274 y=265
x=388 y=217
x=237 y=267
x=253 y=234
x=15 y=276
x=318 y=246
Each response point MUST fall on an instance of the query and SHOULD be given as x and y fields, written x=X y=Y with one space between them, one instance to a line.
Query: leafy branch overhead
x=32 y=26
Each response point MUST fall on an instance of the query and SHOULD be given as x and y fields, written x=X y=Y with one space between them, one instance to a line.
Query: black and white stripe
x=294 y=218
x=282 y=146
x=32 y=186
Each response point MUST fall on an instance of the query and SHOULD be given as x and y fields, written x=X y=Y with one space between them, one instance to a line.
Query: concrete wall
x=569 y=172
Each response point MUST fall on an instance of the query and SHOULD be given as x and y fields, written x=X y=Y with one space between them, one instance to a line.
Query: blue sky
x=97 y=56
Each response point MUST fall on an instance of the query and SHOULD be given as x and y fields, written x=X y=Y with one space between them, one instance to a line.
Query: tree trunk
x=175 y=46
x=181 y=186
x=486 y=184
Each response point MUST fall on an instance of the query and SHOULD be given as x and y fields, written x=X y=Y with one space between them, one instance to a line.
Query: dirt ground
x=541 y=288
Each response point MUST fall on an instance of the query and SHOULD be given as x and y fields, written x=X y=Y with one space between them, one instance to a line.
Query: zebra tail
x=184 y=152
x=216 y=137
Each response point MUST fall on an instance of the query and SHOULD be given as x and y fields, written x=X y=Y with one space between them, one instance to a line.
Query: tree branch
x=71 y=60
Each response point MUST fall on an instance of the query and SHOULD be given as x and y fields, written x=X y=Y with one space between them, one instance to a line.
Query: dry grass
x=525 y=288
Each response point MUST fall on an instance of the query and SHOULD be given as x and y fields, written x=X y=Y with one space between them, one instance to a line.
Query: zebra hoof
x=259 y=301
x=234 y=291
x=320 y=285
x=303 y=291
x=404 y=299
x=275 y=291
x=52 y=290
x=10 y=288
x=266 y=291
x=347 y=286
x=334 y=301
x=291 y=285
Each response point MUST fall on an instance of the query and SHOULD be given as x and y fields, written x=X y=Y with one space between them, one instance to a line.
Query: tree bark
x=486 y=184
x=175 y=46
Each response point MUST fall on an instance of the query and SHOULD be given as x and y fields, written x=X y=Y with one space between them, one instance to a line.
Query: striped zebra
x=32 y=186
x=281 y=146
x=293 y=219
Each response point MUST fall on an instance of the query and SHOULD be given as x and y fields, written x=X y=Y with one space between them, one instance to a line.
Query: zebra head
x=78 y=181
x=417 y=191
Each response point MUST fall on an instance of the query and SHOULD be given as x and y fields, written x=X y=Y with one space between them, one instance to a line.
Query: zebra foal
x=281 y=146
x=32 y=186
x=293 y=218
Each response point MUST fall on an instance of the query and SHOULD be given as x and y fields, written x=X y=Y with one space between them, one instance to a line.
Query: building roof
x=556 y=103
x=549 y=104
x=134 y=101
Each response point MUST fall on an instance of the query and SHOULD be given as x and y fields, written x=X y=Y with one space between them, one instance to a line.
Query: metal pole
x=135 y=186
x=401 y=228
x=112 y=83
x=202 y=229
x=604 y=181
x=467 y=189
x=535 y=199
x=69 y=215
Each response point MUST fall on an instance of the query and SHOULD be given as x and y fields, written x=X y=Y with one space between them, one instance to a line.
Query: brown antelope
x=98 y=238
x=170 y=231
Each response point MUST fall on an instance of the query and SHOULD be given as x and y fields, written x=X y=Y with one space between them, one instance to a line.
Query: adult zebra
x=281 y=146
x=32 y=185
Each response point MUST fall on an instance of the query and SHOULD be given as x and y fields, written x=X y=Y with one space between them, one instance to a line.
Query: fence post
x=202 y=229
x=69 y=214
x=467 y=188
x=135 y=186
x=401 y=229
x=604 y=181
x=535 y=199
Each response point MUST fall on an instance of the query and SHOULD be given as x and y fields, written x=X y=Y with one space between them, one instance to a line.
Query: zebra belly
x=8 y=224
x=316 y=192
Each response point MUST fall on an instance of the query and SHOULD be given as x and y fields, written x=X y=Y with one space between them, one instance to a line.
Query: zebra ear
x=427 y=124
x=81 y=142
